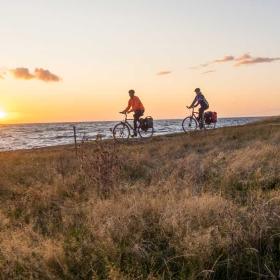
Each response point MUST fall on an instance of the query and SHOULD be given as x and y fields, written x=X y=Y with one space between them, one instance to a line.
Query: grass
x=201 y=206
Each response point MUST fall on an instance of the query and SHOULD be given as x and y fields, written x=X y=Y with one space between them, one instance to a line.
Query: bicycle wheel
x=121 y=132
x=189 y=124
x=146 y=133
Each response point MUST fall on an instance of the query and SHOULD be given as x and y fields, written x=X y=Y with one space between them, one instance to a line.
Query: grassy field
x=201 y=206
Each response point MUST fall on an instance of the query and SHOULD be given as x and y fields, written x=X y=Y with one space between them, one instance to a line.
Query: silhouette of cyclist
x=199 y=100
x=134 y=105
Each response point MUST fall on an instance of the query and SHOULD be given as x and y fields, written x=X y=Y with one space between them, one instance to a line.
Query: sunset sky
x=70 y=60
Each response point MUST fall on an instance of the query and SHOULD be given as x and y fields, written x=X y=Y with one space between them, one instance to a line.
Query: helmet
x=131 y=91
x=197 y=90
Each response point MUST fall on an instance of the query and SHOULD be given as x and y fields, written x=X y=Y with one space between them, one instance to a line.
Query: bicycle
x=191 y=123
x=123 y=130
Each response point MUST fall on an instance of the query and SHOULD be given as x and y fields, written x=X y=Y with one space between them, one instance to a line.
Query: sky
x=75 y=60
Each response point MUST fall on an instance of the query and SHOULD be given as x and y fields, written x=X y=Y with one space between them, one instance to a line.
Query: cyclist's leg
x=137 y=115
x=200 y=116
x=202 y=109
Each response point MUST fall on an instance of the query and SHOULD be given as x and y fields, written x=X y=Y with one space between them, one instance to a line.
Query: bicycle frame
x=126 y=121
x=194 y=114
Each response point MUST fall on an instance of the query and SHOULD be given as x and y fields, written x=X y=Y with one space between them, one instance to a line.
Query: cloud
x=209 y=71
x=161 y=73
x=246 y=59
x=46 y=75
x=41 y=74
x=1 y=77
x=22 y=73
x=224 y=59
x=243 y=57
x=256 y=60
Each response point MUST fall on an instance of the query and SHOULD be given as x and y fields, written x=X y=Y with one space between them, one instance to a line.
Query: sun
x=3 y=114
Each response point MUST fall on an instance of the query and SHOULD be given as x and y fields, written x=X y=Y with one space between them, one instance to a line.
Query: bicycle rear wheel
x=121 y=132
x=189 y=124
x=146 y=133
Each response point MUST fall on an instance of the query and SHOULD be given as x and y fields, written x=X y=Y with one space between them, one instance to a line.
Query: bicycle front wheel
x=146 y=133
x=121 y=132
x=189 y=124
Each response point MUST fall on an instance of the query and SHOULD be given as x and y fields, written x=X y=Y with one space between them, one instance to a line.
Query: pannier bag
x=210 y=117
x=142 y=123
x=214 y=117
x=149 y=122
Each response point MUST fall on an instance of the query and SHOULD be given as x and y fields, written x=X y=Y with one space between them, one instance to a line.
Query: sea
x=32 y=136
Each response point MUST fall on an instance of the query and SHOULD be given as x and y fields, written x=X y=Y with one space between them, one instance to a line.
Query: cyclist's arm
x=194 y=103
x=126 y=110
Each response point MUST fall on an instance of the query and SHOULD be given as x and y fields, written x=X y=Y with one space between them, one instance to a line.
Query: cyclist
x=199 y=100
x=134 y=105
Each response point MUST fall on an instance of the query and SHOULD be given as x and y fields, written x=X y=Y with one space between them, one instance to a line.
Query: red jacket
x=134 y=103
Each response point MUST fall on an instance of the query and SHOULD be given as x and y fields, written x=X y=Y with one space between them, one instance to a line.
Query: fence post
x=75 y=139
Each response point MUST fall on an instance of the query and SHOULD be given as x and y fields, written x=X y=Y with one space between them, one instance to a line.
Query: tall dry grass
x=205 y=206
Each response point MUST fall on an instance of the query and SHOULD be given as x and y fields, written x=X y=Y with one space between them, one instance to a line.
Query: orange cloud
x=45 y=75
x=22 y=73
x=39 y=74
x=161 y=73
x=243 y=57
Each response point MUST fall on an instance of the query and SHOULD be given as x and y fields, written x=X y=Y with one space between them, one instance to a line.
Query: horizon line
x=91 y=121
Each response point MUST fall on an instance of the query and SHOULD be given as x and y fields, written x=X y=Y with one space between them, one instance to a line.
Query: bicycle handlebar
x=124 y=113
x=193 y=111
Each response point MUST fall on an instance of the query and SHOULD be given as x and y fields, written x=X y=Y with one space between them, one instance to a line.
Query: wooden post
x=75 y=139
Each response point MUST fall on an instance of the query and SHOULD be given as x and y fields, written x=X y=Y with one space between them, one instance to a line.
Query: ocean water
x=29 y=136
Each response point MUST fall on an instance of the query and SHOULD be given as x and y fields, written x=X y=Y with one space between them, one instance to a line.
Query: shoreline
x=68 y=145
x=71 y=147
